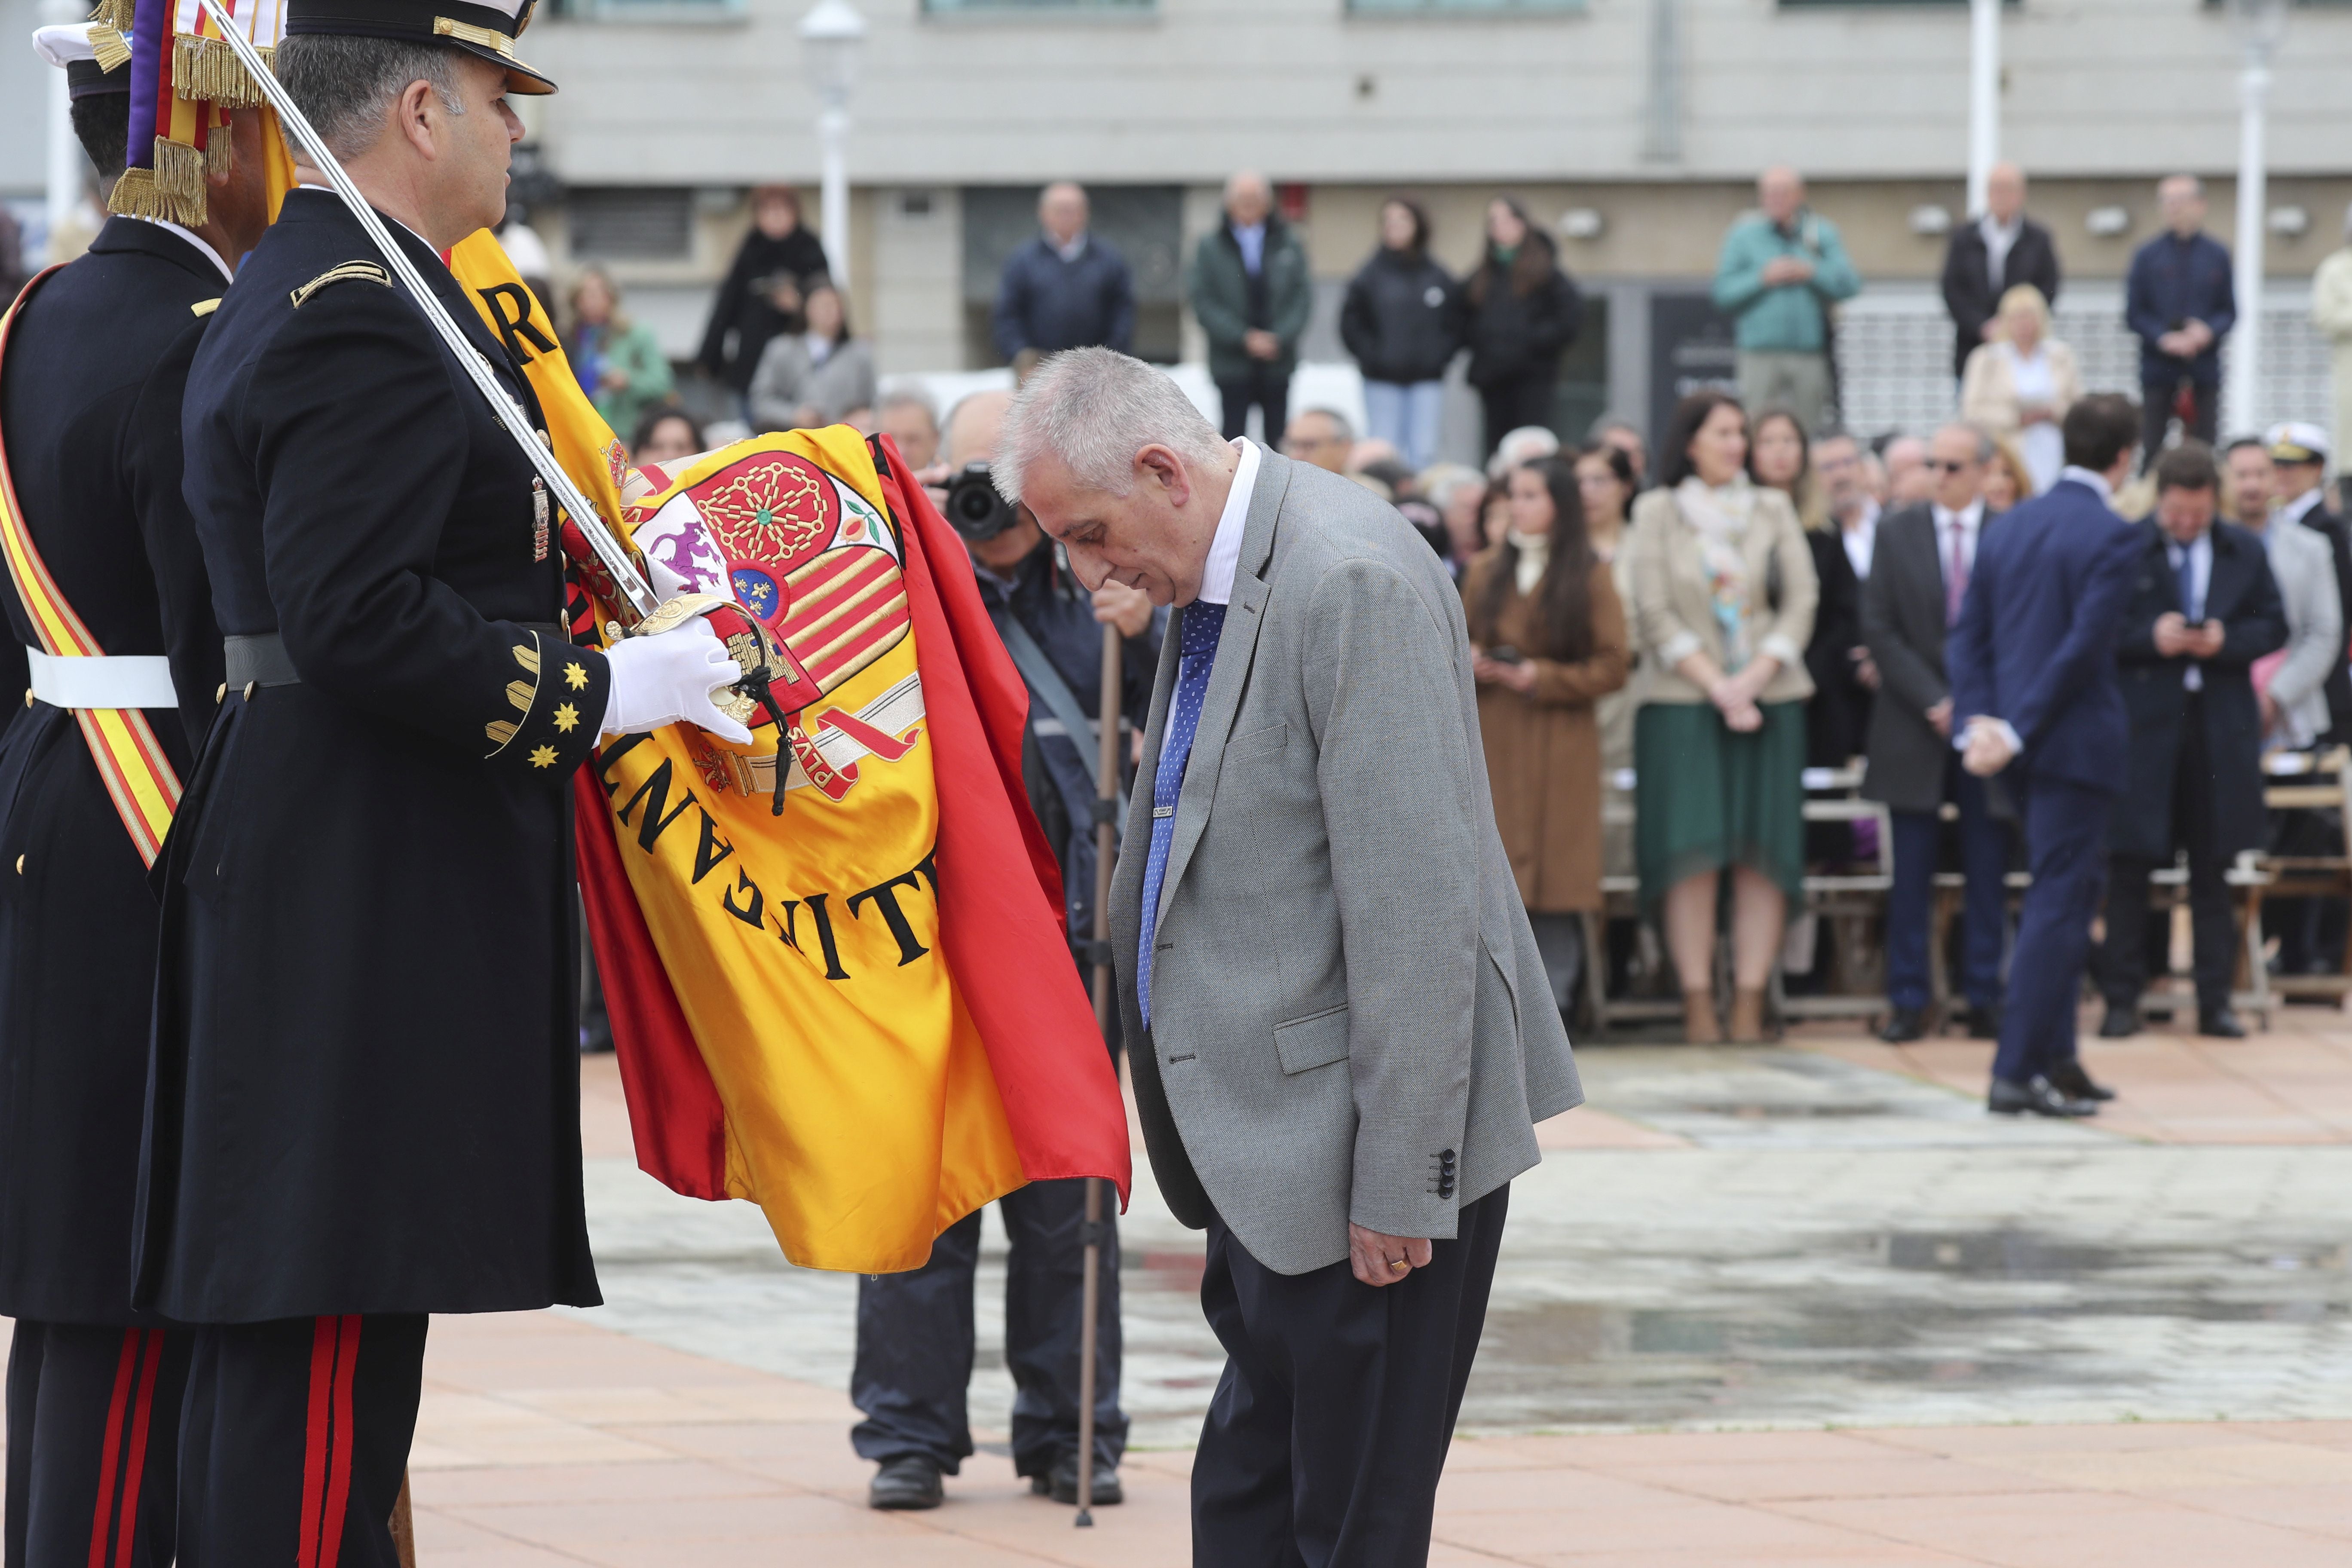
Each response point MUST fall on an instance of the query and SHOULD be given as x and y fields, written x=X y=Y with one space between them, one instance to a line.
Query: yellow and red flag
x=858 y=1012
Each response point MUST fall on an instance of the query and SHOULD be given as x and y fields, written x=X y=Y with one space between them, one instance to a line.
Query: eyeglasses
x=1946 y=466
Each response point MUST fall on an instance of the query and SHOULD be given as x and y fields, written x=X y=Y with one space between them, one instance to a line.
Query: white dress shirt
x=1226 y=549
x=1969 y=520
x=2302 y=506
x=199 y=241
x=1997 y=243
x=2201 y=580
x=1072 y=251
x=1862 y=539
x=2098 y=483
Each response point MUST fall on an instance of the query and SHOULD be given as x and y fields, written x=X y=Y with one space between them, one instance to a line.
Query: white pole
x=2245 y=350
x=1984 y=98
x=833 y=135
x=65 y=175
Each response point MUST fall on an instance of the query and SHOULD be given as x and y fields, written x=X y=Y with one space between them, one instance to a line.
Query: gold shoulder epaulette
x=204 y=306
x=361 y=271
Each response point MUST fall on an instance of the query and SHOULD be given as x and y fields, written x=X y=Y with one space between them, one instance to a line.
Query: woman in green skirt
x=1724 y=594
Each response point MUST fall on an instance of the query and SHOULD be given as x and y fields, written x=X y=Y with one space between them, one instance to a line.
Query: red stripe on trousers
x=109 y=1462
x=315 y=1442
x=126 y=1534
x=339 y=1478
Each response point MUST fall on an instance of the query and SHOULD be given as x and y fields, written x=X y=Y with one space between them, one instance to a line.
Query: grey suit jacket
x=1903 y=626
x=1350 y=1019
x=2305 y=570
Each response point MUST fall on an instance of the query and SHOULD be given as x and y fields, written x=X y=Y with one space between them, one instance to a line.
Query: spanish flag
x=858 y=1012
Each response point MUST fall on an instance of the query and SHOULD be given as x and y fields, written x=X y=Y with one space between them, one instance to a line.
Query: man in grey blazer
x=1913 y=597
x=1342 y=1033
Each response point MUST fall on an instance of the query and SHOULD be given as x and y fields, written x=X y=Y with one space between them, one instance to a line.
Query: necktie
x=2187 y=570
x=1956 y=580
x=1201 y=624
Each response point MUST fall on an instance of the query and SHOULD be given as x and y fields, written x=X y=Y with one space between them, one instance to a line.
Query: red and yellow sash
x=138 y=776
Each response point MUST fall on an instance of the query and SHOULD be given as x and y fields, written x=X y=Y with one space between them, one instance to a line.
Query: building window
x=1486 y=7
x=631 y=223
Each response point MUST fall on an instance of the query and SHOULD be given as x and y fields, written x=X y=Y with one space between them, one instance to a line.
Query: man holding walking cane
x=915 y=1335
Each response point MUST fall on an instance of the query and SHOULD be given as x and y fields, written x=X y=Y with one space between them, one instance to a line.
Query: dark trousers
x=1269 y=390
x=2066 y=851
x=2155 y=412
x=1911 y=901
x=2124 y=958
x=94 y=1444
x=1330 y=1428
x=915 y=1340
x=295 y=1438
x=1511 y=403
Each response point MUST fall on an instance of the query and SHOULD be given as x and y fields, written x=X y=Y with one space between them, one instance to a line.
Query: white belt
x=120 y=680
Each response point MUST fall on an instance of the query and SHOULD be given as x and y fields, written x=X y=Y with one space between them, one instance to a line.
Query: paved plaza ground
x=1804 y=1304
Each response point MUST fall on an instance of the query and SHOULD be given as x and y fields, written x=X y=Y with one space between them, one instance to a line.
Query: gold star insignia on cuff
x=576 y=675
x=544 y=757
x=566 y=716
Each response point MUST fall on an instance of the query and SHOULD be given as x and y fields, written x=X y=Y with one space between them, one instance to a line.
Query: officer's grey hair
x=347 y=85
x=1096 y=409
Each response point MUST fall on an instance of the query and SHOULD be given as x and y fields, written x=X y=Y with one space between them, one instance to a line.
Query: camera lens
x=974 y=509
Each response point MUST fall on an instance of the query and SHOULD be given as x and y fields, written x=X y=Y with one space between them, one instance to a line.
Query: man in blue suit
x=2032 y=665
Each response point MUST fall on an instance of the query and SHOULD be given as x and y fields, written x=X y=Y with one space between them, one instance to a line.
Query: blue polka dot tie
x=1201 y=624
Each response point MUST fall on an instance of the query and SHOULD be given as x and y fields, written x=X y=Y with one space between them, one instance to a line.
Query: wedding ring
x=1398 y=1264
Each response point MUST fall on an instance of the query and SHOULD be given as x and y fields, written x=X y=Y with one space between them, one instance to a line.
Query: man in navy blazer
x=2032 y=664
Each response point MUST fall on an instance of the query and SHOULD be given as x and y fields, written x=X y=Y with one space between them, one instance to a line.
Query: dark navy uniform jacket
x=366 y=1093
x=89 y=408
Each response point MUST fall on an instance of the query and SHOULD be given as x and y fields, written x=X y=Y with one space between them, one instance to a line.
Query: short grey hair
x=1985 y=444
x=1096 y=409
x=909 y=397
x=346 y=84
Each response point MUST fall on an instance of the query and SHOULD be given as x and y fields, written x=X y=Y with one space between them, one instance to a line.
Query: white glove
x=668 y=678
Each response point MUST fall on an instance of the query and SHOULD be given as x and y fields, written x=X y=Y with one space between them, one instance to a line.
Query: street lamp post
x=1984 y=98
x=65 y=151
x=831 y=35
x=2258 y=24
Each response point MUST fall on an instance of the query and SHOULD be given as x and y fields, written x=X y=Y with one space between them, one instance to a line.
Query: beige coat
x=1543 y=750
x=1674 y=608
x=1988 y=390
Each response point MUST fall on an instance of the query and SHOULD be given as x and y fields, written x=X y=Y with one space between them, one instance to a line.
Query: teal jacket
x=1789 y=315
x=1218 y=286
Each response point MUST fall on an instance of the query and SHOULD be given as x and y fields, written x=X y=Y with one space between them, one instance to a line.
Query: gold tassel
x=107 y=43
x=207 y=70
x=174 y=190
x=220 y=153
x=114 y=15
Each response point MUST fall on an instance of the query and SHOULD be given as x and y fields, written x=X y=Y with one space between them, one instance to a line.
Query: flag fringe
x=205 y=70
x=107 y=43
x=174 y=190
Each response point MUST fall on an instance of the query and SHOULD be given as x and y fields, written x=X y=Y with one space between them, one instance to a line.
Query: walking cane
x=1106 y=841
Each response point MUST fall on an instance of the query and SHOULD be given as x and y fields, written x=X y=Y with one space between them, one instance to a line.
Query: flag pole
x=626 y=577
x=1107 y=771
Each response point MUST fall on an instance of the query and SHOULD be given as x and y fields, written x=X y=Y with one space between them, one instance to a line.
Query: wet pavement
x=1811 y=1242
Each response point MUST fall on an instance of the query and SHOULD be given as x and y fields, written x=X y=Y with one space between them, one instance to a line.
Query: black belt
x=258 y=660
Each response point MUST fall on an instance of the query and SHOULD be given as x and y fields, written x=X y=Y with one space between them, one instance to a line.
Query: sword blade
x=610 y=550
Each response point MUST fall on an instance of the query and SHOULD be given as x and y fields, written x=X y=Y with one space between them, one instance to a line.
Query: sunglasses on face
x=1946 y=466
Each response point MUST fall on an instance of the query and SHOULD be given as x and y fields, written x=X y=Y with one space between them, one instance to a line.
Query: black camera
x=975 y=509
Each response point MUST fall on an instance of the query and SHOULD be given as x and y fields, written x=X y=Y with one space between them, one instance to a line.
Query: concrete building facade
x=1633 y=126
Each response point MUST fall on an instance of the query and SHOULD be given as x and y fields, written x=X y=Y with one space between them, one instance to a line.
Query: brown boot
x=1747 y=1018
x=1700 y=1025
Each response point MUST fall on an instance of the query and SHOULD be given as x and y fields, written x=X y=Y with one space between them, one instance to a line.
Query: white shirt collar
x=199 y=241
x=1226 y=549
x=1970 y=516
x=2294 y=510
x=2098 y=483
x=1070 y=252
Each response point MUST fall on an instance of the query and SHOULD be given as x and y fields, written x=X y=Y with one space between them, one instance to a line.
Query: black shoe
x=2037 y=1095
x=1902 y=1025
x=1984 y=1023
x=2221 y=1024
x=1062 y=1484
x=909 y=1481
x=2120 y=1024
x=2068 y=1078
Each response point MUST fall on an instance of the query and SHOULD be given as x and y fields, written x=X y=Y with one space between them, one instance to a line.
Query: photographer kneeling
x=915 y=1330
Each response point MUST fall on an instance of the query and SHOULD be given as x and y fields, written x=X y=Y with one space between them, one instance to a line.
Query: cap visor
x=520 y=77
